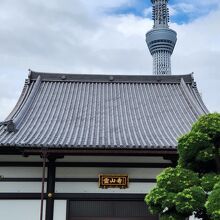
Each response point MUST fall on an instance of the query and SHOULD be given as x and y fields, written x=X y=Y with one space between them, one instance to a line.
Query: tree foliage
x=176 y=199
x=193 y=187
x=213 y=203
x=199 y=149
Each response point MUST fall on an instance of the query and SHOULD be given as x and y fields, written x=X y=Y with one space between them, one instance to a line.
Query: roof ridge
x=102 y=78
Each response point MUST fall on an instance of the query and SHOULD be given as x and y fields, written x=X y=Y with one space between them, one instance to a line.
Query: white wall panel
x=140 y=188
x=19 y=158
x=60 y=210
x=93 y=172
x=21 y=172
x=116 y=159
x=20 y=187
x=20 y=209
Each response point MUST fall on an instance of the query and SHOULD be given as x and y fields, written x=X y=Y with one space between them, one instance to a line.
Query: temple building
x=89 y=147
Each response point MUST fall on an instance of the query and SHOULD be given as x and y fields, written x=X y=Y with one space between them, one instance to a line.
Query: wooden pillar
x=51 y=175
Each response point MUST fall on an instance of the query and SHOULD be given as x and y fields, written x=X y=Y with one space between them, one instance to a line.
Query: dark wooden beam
x=51 y=175
x=60 y=152
x=172 y=158
x=87 y=164
x=103 y=152
x=75 y=196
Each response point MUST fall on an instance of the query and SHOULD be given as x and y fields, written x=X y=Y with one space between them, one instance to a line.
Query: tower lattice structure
x=161 y=40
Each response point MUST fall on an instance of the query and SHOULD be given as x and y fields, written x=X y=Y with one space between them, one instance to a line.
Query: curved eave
x=21 y=101
x=24 y=102
x=199 y=100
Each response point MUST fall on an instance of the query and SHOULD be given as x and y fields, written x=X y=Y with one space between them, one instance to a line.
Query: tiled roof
x=100 y=111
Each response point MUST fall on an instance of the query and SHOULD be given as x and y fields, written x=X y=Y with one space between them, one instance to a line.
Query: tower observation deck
x=161 y=39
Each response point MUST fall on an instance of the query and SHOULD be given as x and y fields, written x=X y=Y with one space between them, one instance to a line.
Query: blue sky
x=182 y=11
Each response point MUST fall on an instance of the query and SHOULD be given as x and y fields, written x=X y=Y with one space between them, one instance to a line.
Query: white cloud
x=198 y=50
x=148 y=12
x=77 y=36
x=185 y=7
x=195 y=8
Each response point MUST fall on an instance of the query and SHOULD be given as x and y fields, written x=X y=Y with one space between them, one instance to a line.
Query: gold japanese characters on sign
x=113 y=181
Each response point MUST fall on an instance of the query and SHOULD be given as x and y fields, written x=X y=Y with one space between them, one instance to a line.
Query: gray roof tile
x=100 y=111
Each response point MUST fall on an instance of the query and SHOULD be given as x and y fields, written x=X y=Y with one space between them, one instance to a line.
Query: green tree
x=213 y=203
x=193 y=187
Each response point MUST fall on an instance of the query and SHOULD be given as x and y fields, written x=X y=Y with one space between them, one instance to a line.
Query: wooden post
x=44 y=156
x=51 y=175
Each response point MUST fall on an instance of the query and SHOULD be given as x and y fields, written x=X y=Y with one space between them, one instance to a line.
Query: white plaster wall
x=116 y=159
x=78 y=172
x=20 y=209
x=60 y=209
x=21 y=187
x=19 y=158
x=21 y=172
x=83 y=187
x=93 y=172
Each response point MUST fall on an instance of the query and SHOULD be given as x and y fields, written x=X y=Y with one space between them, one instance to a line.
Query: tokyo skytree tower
x=161 y=39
